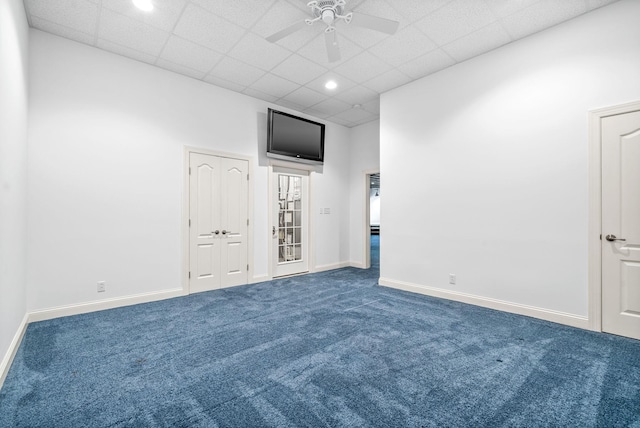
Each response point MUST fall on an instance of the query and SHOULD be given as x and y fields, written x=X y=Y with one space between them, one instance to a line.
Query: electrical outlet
x=452 y=278
x=102 y=286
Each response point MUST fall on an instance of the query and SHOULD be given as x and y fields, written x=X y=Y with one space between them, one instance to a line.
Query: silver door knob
x=216 y=232
x=224 y=232
x=612 y=238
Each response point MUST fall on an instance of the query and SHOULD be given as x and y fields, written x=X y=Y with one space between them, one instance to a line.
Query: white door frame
x=595 y=207
x=311 y=234
x=366 y=223
x=187 y=150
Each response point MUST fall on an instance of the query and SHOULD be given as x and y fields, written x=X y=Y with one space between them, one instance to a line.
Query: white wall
x=14 y=40
x=485 y=164
x=106 y=172
x=365 y=157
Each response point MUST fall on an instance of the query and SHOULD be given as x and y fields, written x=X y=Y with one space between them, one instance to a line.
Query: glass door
x=290 y=234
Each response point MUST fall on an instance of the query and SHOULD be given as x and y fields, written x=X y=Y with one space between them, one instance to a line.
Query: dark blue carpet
x=327 y=349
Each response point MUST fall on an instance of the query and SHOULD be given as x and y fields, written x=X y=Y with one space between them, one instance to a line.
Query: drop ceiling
x=222 y=42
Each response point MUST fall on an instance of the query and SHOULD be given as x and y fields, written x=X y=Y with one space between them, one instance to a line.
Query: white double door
x=621 y=224
x=218 y=216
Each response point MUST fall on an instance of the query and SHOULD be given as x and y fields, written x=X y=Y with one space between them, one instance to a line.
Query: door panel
x=234 y=208
x=621 y=219
x=204 y=185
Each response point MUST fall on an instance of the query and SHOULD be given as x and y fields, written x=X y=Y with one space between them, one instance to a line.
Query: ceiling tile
x=189 y=54
x=298 y=69
x=207 y=29
x=403 y=46
x=241 y=12
x=386 y=81
x=130 y=33
x=283 y=102
x=372 y=106
x=80 y=15
x=413 y=10
x=357 y=95
x=257 y=51
x=125 y=51
x=164 y=16
x=456 y=19
x=502 y=8
x=316 y=113
x=479 y=42
x=362 y=67
x=237 y=71
x=180 y=69
x=260 y=95
x=365 y=37
x=331 y=106
x=354 y=114
x=214 y=80
x=282 y=15
x=305 y=97
x=274 y=85
x=316 y=50
x=62 y=31
x=542 y=15
x=427 y=64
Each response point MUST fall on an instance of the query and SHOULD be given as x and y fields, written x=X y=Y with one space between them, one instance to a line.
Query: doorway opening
x=371 y=220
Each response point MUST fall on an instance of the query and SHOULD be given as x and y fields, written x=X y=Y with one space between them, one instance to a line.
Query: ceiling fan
x=330 y=12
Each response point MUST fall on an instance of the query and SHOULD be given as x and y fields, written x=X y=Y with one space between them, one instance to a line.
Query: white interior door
x=218 y=194
x=290 y=233
x=621 y=224
x=234 y=222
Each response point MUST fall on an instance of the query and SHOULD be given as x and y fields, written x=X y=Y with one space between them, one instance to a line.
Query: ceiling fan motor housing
x=327 y=10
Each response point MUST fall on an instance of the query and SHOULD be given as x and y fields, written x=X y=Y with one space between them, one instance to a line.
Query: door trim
x=187 y=150
x=595 y=207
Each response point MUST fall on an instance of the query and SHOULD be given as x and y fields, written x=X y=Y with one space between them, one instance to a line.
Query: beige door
x=218 y=194
x=290 y=233
x=621 y=224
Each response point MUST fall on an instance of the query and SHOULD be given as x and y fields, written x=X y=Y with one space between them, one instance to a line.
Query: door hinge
x=189 y=170
x=247 y=177
x=189 y=222
x=601 y=236
x=189 y=275
x=247 y=267
x=247 y=222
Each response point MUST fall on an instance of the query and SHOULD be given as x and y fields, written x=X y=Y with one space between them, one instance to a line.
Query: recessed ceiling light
x=331 y=84
x=357 y=105
x=145 y=5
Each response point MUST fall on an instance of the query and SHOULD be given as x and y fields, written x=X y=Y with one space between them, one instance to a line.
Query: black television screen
x=294 y=138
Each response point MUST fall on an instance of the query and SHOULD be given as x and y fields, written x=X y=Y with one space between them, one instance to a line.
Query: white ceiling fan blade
x=374 y=23
x=333 y=50
x=285 y=32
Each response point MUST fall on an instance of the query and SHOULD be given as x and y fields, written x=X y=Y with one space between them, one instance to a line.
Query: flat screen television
x=293 y=138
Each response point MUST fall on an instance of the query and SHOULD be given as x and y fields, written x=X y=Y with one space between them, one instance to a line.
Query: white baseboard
x=332 y=266
x=501 y=305
x=358 y=265
x=257 y=279
x=117 y=302
x=5 y=364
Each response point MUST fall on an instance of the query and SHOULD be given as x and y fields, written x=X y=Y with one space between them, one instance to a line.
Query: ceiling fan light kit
x=330 y=12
